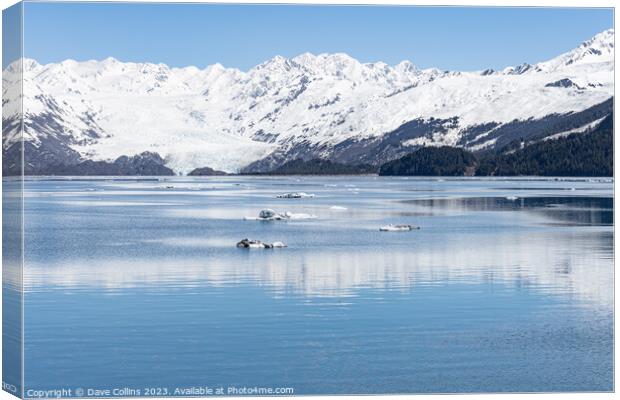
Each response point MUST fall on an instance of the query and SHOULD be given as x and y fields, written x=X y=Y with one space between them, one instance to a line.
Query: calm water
x=508 y=286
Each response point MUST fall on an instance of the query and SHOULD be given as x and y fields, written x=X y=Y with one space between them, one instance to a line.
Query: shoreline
x=402 y=177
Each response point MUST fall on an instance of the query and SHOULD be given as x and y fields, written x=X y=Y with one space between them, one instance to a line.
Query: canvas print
x=286 y=200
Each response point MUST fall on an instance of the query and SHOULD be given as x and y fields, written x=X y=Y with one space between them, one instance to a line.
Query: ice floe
x=257 y=244
x=271 y=215
x=295 y=195
x=290 y=215
x=398 y=228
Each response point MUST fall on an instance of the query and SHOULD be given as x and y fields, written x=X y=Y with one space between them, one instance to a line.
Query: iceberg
x=397 y=228
x=257 y=244
x=267 y=215
x=270 y=215
x=295 y=195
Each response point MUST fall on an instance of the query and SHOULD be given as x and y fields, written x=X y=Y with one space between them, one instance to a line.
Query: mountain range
x=326 y=106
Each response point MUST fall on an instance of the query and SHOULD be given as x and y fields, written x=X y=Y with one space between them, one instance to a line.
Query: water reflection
x=580 y=210
x=555 y=264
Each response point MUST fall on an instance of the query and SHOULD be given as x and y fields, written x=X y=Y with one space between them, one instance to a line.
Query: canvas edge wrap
x=12 y=202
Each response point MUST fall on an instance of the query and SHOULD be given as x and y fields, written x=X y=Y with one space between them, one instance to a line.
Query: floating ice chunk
x=250 y=244
x=267 y=213
x=290 y=215
x=271 y=215
x=295 y=195
x=257 y=244
x=512 y=198
x=397 y=228
x=338 y=208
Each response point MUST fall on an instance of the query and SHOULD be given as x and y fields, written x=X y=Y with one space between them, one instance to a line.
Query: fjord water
x=137 y=283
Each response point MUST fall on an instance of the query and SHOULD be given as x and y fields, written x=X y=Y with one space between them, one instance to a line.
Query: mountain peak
x=276 y=63
x=21 y=65
x=305 y=58
x=110 y=61
x=30 y=64
x=406 y=66
x=598 y=49
x=600 y=44
x=607 y=36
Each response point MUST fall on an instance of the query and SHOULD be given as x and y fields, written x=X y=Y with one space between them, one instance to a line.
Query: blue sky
x=242 y=36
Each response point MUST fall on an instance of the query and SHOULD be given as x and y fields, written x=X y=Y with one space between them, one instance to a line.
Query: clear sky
x=241 y=36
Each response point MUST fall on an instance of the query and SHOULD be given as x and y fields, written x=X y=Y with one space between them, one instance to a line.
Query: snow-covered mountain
x=328 y=106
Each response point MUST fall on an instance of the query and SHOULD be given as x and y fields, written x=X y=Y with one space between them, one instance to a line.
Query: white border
x=482 y=3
